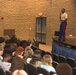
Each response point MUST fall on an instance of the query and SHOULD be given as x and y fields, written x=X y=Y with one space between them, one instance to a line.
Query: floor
x=45 y=47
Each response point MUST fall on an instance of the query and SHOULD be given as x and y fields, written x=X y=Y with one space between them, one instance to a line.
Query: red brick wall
x=21 y=16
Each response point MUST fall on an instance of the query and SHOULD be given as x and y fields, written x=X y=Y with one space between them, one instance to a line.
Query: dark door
x=9 y=32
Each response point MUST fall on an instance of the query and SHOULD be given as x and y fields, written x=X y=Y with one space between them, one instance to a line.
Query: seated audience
x=47 y=63
x=19 y=72
x=64 y=69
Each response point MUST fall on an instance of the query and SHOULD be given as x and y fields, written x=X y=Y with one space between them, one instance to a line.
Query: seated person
x=38 y=54
x=64 y=69
x=35 y=61
x=16 y=64
x=5 y=64
x=47 y=63
x=28 y=53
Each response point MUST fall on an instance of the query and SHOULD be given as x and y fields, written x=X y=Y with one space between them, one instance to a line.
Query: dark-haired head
x=64 y=69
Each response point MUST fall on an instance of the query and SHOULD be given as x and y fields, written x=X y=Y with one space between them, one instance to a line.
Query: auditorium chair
x=71 y=62
x=8 y=73
x=48 y=53
x=42 y=71
x=55 y=57
x=26 y=68
x=74 y=70
x=32 y=70
x=54 y=64
x=53 y=73
x=2 y=72
x=43 y=53
x=62 y=59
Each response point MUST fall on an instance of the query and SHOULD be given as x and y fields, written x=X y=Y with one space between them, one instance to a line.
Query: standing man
x=63 y=19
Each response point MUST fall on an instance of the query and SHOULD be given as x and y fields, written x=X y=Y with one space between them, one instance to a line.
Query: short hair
x=17 y=63
x=19 y=50
x=64 y=69
x=47 y=59
x=63 y=9
x=23 y=44
x=38 y=52
x=19 y=72
x=6 y=54
x=28 y=52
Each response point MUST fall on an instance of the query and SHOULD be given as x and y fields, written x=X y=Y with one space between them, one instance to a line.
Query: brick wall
x=21 y=16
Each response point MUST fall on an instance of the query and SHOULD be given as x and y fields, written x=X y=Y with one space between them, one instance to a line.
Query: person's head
x=17 y=63
x=13 y=45
x=35 y=61
x=24 y=44
x=9 y=50
x=28 y=52
x=64 y=69
x=63 y=10
x=19 y=72
x=38 y=54
x=7 y=57
x=47 y=59
x=19 y=51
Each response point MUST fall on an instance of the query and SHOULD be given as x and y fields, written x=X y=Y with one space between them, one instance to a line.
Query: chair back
x=55 y=57
x=74 y=70
x=26 y=68
x=71 y=62
x=32 y=70
x=2 y=72
x=54 y=63
x=42 y=71
x=53 y=73
x=62 y=59
x=8 y=73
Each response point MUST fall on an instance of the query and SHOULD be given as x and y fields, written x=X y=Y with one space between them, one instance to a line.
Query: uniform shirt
x=5 y=66
x=64 y=16
x=28 y=60
x=48 y=68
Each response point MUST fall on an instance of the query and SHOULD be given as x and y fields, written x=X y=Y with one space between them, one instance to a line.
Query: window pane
x=39 y=25
x=38 y=37
x=44 y=25
x=43 y=38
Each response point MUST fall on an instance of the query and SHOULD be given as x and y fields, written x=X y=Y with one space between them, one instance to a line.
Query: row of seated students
x=15 y=54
